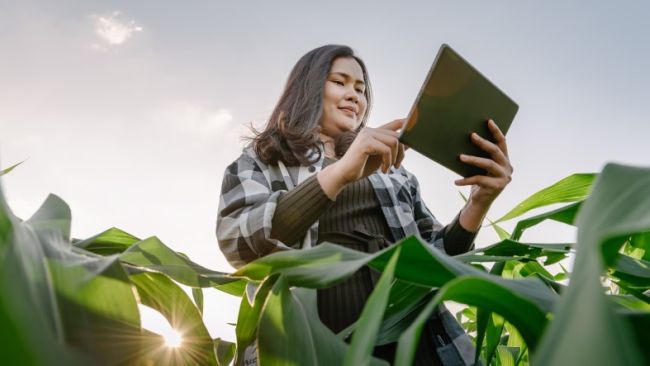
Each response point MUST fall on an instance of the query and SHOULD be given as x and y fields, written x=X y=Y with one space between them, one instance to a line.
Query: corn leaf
x=152 y=254
x=111 y=241
x=480 y=292
x=32 y=329
x=634 y=272
x=7 y=170
x=225 y=351
x=570 y=189
x=616 y=209
x=290 y=332
x=248 y=318
x=363 y=341
x=162 y=294
x=564 y=215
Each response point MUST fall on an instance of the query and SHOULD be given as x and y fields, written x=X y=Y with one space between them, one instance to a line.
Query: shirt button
x=312 y=168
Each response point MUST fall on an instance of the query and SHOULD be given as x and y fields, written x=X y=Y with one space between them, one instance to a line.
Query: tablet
x=454 y=101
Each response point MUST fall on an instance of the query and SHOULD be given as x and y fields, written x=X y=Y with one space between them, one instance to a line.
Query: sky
x=131 y=110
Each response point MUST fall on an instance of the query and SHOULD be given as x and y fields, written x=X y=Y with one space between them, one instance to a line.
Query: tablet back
x=455 y=101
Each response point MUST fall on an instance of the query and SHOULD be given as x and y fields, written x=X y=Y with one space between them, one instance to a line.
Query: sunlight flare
x=173 y=339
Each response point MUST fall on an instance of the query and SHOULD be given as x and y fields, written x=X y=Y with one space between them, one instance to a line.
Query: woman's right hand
x=371 y=149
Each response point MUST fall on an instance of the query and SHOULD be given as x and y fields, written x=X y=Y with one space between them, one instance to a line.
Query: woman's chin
x=339 y=127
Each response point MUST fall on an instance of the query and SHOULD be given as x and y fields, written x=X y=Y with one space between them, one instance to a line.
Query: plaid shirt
x=249 y=196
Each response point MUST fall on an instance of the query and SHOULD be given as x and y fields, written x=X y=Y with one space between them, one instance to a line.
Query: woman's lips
x=349 y=112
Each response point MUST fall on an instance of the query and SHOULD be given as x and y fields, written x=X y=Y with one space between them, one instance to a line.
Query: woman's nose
x=352 y=96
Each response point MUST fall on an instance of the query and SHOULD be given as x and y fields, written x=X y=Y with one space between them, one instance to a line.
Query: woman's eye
x=360 y=91
x=338 y=82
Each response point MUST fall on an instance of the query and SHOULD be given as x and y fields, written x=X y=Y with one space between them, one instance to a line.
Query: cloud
x=195 y=118
x=113 y=30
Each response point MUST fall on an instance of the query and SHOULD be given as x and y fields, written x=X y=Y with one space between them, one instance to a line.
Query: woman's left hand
x=486 y=188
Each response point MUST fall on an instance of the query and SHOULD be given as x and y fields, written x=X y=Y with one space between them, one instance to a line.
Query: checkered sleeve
x=429 y=227
x=246 y=207
x=453 y=239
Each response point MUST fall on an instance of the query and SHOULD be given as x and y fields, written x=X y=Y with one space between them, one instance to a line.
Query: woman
x=318 y=173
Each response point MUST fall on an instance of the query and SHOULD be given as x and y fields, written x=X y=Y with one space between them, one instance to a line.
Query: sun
x=172 y=338
x=155 y=322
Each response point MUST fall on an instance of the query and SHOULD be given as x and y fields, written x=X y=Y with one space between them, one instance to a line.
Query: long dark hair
x=293 y=130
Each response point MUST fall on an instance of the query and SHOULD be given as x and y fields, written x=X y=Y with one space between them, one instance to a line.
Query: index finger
x=394 y=125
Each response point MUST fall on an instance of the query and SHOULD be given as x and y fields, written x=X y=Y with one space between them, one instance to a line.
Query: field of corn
x=66 y=301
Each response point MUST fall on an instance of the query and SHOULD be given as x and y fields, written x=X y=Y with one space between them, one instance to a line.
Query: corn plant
x=74 y=302
x=67 y=301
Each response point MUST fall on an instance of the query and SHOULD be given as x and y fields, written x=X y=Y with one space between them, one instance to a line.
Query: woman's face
x=344 y=101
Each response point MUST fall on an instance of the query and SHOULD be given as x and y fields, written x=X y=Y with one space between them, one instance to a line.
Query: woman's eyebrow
x=348 y=77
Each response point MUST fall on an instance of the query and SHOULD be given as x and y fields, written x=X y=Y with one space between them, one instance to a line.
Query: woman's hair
x=293 y=129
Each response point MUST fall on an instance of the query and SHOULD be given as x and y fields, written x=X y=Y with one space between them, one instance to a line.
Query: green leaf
x=635 y=272
x=224 y=350
x=493 y=336
x=501 y=232
x=152 y=254
x=561 y=276
x=99 y=310
x=507 y=355
x=363 y=341
x=474 y=259
x=87 y=299
x=632 y=251
x=421 y=264
x=507 y=248
x=318 y=267
x=418 y=263
x=516 y=341
x=404 y=303
x=235 y=288
x=469 y=312
x=95 y=298
x=111 y=241
x=429 y=267
x=633 y=302
x=642 y=241
x=162 y=294
x=483 y=317
x=7 y=170
x=564 y=215
x=290 y=332
x=616 y=209
x=248 y=317
x=197 y=295
x=554 y=257
x=570 y=189
x=639 y=322
x=53 y=216
x=32 y=329
x=480 y=292
x=68 y=305
x=530 y=268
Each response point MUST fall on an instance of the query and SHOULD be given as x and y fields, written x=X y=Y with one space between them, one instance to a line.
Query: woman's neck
x=329 y=145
